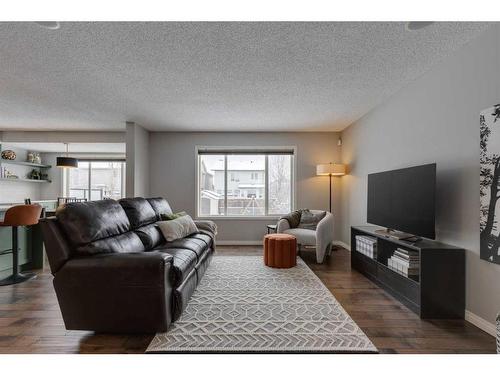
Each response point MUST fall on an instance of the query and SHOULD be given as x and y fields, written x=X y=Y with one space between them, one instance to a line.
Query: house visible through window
x=245 y=183
x=95 y=180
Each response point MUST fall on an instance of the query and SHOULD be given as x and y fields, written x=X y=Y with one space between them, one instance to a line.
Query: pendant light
x=66 y=161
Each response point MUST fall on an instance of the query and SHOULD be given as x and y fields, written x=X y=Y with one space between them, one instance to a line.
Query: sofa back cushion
x=160 y=206
x=128 y=242
x=139 y=211
x=91 y=221
x=150 y=236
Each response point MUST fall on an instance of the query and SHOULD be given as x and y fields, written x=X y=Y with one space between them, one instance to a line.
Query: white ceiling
x=99 y=148
x=211 y=76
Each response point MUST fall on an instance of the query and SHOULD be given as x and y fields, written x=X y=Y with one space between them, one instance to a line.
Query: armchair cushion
x=304 y=236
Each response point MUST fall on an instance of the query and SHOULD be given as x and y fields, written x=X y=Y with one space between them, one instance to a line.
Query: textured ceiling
x=211 y=76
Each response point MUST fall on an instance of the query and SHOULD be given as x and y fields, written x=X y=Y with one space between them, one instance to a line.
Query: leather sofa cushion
x=91 y=221
x=160 y=206
x=123 y=243
x=183 y=263
x=150 y=236
x=204 y=237
x=182 y=294
x=202 y=265
x=139 y=211
x=197 y=243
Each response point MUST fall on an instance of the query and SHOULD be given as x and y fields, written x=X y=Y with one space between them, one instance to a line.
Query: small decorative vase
x=38 y=159
x=31 y=157
x=8 y=155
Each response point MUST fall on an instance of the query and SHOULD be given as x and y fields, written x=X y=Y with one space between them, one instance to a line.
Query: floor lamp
x=331 y=169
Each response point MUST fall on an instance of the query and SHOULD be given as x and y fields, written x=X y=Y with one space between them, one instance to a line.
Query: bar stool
x=15 y=217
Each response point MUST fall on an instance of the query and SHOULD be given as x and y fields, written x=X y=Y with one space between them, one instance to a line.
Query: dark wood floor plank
x=31 y=322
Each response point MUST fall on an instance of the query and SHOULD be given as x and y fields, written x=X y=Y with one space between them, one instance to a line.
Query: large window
x=245 y=183
x=95 y=180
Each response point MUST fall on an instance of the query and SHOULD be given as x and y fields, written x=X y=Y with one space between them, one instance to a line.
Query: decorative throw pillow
x=177 y=228
x=165 y=217
x=310 y=220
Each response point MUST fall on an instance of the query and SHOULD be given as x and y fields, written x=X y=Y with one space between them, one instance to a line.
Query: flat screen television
x=404 y=200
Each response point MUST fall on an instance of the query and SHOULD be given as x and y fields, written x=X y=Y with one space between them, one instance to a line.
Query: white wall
x=137 y=155
x=435 y=119
x=173 y=172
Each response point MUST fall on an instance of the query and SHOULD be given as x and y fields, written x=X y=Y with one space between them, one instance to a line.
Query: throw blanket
x=293 y=218
x=304 y=218
x=207 y=227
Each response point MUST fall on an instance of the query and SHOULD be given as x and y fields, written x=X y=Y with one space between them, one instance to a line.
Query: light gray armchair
x=321 y=238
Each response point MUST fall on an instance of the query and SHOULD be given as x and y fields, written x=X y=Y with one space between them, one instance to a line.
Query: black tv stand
x=439 y=289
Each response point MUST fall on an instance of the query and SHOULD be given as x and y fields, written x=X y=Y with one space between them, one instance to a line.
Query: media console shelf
x=439 y=289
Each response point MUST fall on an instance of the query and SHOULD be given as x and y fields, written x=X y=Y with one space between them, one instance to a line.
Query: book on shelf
x=401 y=268
x=405 y=263
x=367 y=246
x=367 y=239
x=406 y=259
x=407 y=253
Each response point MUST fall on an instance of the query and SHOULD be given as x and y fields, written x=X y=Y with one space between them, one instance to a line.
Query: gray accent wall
x=435 y=119
x=173 y=172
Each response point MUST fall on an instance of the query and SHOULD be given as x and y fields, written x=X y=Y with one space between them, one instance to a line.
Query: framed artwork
x=489 y=184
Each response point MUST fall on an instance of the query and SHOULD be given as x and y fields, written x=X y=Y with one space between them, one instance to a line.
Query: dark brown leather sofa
x=113 y=270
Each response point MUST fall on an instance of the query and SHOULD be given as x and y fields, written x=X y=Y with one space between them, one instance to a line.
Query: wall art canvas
x=489 y=183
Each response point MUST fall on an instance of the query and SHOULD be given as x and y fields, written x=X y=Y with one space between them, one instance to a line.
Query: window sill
x=243 y=218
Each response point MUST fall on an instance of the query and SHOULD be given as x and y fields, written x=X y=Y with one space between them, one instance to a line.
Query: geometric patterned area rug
x=242 y=306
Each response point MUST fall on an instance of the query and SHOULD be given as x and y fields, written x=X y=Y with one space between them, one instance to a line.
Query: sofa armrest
x=282 y=225
x=324 y=236
x=206 y=226
x=116 y=293
x=120 y=269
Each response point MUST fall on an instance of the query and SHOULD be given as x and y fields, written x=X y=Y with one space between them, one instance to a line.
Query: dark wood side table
x=271 y=228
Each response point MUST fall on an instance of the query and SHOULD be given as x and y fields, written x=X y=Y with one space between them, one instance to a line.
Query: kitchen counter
x=44 y=203
x=30 y=242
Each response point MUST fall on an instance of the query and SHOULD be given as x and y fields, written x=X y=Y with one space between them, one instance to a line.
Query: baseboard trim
x=253 y=243
x=481 y=323
x=238 y=243
x=342 y=244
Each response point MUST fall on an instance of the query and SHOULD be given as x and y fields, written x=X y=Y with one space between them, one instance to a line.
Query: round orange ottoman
x=280 y=250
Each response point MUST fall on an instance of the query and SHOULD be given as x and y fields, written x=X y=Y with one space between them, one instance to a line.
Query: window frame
x=253 y=151
x=66 y=180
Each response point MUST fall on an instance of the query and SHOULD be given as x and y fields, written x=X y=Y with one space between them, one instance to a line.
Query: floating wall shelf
x=25 y=163
x=23 y=180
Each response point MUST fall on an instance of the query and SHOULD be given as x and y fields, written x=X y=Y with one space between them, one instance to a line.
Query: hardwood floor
x=30 y=320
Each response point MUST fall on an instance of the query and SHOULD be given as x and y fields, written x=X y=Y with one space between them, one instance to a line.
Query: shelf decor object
x=8 y=155
x=489 y=180
x=331 y=170
x=39 y=170
x=67 y=161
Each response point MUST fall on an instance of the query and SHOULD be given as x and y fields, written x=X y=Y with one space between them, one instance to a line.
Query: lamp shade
x=66 y=162
x=331 y=169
